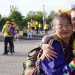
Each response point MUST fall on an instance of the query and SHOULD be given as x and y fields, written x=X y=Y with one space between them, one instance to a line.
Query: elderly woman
x=62 y=27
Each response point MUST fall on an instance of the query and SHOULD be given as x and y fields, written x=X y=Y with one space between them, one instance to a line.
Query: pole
x=43 y=15
x=0 y=17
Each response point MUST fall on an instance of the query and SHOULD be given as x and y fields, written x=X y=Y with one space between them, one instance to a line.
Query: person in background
x=36 y=26
x=40 y=28
x=63 y=29
x=14 y=32
x=17 y=33
x=24 y=31
x=29 y=31
x=46 y=28
x=32 y=26
x=7 y=37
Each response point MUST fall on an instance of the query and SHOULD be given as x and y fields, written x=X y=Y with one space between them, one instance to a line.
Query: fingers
x=51 y=52
x=51 y=55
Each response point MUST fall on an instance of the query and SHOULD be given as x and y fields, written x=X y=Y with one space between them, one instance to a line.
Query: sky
x=24 y=6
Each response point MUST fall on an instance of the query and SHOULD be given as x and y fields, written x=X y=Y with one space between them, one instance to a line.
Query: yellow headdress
x=59 y=11
x=66 y=11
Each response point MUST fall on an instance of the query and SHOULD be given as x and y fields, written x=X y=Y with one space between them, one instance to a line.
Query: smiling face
x=63 y=28
x=73 y=18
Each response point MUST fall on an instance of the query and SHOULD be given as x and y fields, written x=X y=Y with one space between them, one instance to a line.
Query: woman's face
x=63 y=28
x=73 y=18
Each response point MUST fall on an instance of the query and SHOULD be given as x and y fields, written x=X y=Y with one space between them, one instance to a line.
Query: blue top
x=58 y=66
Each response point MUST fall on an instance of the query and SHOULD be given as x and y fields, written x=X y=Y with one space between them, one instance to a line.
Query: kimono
x=60 y=65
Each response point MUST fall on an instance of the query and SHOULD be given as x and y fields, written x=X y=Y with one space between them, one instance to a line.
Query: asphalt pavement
x=12 y=64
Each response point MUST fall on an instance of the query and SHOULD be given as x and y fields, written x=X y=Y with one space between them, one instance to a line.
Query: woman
x=62 y=27
x=49 y=49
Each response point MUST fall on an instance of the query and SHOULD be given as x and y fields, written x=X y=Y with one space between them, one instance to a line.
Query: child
x=29 y=31
x=24 y=31
x=17 y=33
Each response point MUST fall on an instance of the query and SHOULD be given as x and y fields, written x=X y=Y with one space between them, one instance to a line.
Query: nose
x=64 y=27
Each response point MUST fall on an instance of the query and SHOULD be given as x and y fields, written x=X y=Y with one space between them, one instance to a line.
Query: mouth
x=65 y=32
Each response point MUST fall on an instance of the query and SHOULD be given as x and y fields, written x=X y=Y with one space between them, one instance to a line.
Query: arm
x=48 y=49
x=3 y=29
x=60 y=66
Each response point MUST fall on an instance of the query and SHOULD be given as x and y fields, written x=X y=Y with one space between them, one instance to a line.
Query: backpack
x=11 y=30
x=29 y=64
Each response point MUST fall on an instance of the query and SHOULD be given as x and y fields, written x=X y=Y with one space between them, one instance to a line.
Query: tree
x=3 y=21
x=15 y=15
x=34 y=16
x=50 y=17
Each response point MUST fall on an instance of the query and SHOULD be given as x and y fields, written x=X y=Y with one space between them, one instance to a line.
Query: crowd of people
x=11 y=31
x=35 y=27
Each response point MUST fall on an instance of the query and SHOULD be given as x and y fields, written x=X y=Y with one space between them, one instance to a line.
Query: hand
x=48 y=51
x=74 y=51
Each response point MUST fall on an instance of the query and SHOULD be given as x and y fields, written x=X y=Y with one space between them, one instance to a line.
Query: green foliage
x=15 y=15
x=12 y=8
x=34 y=16
x=50 y=17
x=3 y=21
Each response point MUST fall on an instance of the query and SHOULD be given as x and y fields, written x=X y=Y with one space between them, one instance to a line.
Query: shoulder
x=46 y=36
x=5 y=26
x=56 y=43
x=50 y=36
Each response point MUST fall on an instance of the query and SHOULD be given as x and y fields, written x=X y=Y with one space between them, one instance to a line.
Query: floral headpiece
x=65 y=11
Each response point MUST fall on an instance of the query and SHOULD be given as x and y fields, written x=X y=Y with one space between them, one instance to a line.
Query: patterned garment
x=58 y=66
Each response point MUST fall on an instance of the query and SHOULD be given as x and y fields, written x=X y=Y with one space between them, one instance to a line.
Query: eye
x=68 y=24
x=61 y=26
